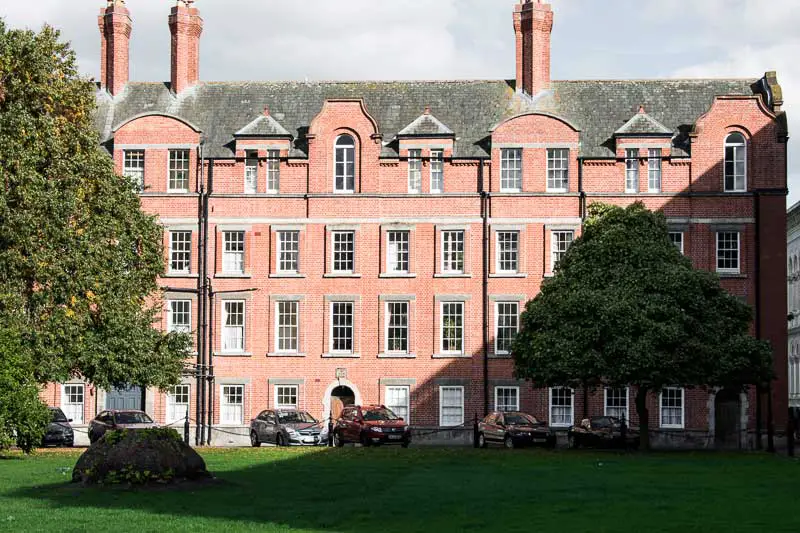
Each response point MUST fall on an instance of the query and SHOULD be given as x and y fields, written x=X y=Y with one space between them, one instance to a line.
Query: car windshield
x=133 y=418
x=374 y=415
x=520 y=419
x=58 y=415
x=296 y=417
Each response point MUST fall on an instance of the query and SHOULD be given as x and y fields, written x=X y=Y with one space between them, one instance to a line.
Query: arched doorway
x=727 y=419
x=341 y=397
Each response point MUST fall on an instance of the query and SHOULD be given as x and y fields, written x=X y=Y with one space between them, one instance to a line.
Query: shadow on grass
x=359 y=490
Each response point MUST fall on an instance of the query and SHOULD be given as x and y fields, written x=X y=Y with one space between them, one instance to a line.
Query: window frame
x=226 y=328
x=332 y=328
x=737 y=148
x=224 y=403
x=273 y=171
x=397 y=260
x=177 y=255
x=171 y=404
x=571 y=407
x=295 y=305
x=627 y=406
x=449 y=255
x=173 y=169
x=415 y=171
x=388 y=326
x=497 y=390
x=729 y=270
x=553 y=242
x=437 y=167
x=233 y=257
x=561 y=156
x=499 y=251
x=295 y=393
x=336 y=243
x=497 y=316
x=631 y=170
x=137 y=172
x=661 y=423
x=654 y=169
x=66 y=398
x=511 y=172
x=442 y=406
x=172 y=312
x=282 y=249
x=460 y=328
x=251 y=171
x=670 y=234
x=407 y=406
x=346 y=149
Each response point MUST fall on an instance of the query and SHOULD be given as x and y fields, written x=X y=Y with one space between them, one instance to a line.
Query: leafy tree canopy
x=625 y=307
x=79 y=260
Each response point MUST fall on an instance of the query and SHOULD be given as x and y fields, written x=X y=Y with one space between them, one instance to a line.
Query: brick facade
x=481 y=204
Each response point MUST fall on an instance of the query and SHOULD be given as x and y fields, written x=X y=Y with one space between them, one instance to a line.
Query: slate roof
x=263 y=126
x=643 y=124
x=425 y=125
x=469 y=108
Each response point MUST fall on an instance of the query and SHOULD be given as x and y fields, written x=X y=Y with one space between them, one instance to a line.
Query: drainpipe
x=208 y=328
x=582 y=200
x=211 y=379
x=485 y=199
x=201 y=245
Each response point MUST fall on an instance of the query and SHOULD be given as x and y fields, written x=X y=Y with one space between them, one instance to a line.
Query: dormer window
x=735 y=163
x=345 y=164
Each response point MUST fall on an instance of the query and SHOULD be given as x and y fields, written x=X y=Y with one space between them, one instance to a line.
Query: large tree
x=626 y=307
x=79 y=260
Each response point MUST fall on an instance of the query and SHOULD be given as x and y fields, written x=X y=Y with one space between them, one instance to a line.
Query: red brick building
x=375 y=242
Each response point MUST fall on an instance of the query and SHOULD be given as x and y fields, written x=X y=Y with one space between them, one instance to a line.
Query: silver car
x=285 y=427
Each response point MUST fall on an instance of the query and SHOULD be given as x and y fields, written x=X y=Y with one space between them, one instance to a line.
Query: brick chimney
x=115 y=26
x=533 y=23
x=186 y=27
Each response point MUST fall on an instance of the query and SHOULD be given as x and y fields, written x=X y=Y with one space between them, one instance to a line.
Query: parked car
x=285 y=427
x=515 y=429
x=602 y=432
x=58 y=432
x=371 y=425
x=114 y=419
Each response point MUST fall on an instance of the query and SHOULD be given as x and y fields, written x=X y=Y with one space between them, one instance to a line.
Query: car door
x=270 y=427
x=499 y=428
x=258 y=426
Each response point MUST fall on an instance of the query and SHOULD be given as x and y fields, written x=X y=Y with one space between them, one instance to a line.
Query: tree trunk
x=641 y=410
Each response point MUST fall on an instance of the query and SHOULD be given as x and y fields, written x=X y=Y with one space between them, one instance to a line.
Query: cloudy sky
x=451 y=39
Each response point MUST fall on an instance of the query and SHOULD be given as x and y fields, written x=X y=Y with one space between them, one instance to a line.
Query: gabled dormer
x=644 y=143
x=643 y=125
x=426 y=126
x=426 y=143
x=262 y=134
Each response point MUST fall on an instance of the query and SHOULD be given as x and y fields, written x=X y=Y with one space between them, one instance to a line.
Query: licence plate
x=310 y=439
x=539 y=439
x=395 y=437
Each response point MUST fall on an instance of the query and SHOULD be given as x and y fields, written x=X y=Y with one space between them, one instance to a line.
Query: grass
x=365 y=490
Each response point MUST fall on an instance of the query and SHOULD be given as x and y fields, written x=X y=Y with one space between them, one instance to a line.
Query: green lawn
x=373 y=490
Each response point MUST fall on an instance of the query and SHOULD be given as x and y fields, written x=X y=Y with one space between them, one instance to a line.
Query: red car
x=371 y=425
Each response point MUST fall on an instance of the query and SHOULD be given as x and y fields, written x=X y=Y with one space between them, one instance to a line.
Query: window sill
x=510 y=191
x=232 y=275
x=671 y=428
x=556 y=191
x=286 y=354
x=549 y=275
x=452 y=275
x=341 y=275
x=732 y=275
x=451 y=356
x=390 y=275
x=233 y=354
x=500 y=356
x=287 y=275
x=341 y=356
x=509 y=275
x=397 y=355
x=177 y=275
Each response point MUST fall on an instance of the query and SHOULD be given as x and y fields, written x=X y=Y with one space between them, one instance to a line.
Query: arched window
x=345 y=164
x=735 y=163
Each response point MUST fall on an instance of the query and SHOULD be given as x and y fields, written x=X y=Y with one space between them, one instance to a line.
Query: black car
x=59 y=432
x=114 y=419
x=514 y=429
x=285 y=427
x=602 y=432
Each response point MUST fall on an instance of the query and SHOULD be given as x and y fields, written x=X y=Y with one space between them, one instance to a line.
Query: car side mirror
x=401 y=419
x=69 y=420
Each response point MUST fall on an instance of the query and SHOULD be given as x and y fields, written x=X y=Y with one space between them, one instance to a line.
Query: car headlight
x=376 y=429
x=292 y=431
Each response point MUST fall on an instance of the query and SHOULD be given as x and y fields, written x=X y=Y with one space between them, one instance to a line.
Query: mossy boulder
x=139 y=456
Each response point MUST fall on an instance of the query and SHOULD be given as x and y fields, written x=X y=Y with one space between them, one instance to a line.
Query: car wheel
x=406 y=443
x=481 y=441
x=509 y=442
x=337 y=440
x=279 y=440
x=573 y=442
x=254 y=442
x=364 y=441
